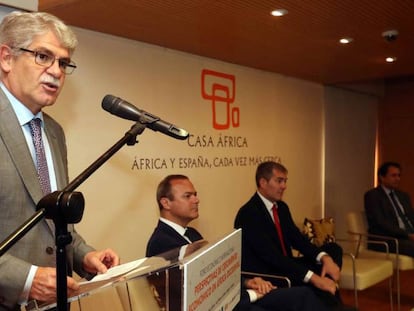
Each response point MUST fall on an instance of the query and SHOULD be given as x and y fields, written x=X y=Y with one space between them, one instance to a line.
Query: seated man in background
x=269 y=234
x=389 y=211
x=178 y=203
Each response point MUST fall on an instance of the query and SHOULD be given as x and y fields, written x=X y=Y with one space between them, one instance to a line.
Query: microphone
x=125 y=110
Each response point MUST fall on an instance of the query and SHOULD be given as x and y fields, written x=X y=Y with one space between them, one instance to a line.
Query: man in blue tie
x=389 y=211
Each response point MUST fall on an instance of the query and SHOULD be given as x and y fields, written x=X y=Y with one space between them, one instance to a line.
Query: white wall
x=29 y=5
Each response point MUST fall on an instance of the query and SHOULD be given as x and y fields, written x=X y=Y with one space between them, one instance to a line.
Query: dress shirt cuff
x=320 y=255
x=308 y=276
x=24 y=297
x=252 y=295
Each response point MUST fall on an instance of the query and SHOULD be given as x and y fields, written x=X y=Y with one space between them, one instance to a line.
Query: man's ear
x=262 y=182
x=165 y=203
x=6 y=58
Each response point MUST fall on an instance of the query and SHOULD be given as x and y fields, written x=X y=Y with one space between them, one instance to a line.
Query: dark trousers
x=405 y=247
x=300 y=298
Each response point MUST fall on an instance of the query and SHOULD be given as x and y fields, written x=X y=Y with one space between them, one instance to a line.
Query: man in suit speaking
x=35 y=57
x=178 y=203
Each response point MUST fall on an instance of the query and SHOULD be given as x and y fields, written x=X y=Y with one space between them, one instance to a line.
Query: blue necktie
x=41 y=163
x=407 y=224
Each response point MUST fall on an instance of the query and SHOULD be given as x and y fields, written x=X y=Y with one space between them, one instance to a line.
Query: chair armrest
x=278 y=278
x=378 y=238
x=361 y=237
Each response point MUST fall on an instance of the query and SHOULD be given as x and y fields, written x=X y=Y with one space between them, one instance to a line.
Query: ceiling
x=303 y=43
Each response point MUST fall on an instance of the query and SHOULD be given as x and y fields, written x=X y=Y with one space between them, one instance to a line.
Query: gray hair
x=18 y=29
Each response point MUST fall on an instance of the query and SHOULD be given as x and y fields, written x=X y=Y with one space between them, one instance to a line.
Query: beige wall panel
x=350 y=129
x=396 y=125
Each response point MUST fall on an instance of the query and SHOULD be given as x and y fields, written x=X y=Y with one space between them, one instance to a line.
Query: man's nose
x=54 y=69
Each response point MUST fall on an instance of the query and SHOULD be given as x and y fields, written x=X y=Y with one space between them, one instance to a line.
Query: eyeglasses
x=47 y=60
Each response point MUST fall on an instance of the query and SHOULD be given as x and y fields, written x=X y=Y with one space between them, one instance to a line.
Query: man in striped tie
x=35 y=57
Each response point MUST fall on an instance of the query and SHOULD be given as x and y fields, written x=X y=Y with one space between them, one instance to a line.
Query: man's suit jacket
x=380 y=212
x=19 y=193
x=165 y=238
x=261 y=248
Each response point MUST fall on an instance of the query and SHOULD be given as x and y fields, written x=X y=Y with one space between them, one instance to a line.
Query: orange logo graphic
x=220 y=89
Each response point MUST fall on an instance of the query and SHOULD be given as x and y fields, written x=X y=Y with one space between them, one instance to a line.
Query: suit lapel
x=389 y=208
x=12 y=135
x=57 y=156
x=405 y=204
x=172 y=233
x=386 y=200
x=267 y=220
x=402 y=200
x=14 y=140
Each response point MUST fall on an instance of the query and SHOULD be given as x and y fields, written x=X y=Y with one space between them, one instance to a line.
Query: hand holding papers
x=113 y=274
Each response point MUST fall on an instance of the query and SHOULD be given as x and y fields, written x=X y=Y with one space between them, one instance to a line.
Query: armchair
x=358 y=228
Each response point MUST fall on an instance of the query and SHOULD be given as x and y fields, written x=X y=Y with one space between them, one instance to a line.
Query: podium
x=199 y=276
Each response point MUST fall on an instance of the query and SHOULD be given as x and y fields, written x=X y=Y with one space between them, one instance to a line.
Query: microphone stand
x=66 y=207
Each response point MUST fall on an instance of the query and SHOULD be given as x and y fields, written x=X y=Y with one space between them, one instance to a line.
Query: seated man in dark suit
x=389 y=211
x=269 y=234
x=178 y=203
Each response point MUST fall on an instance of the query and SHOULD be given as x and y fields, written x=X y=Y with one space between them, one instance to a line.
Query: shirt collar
x=269 y=204
x=23 y=114
x=387 y=190
x=175 y=226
